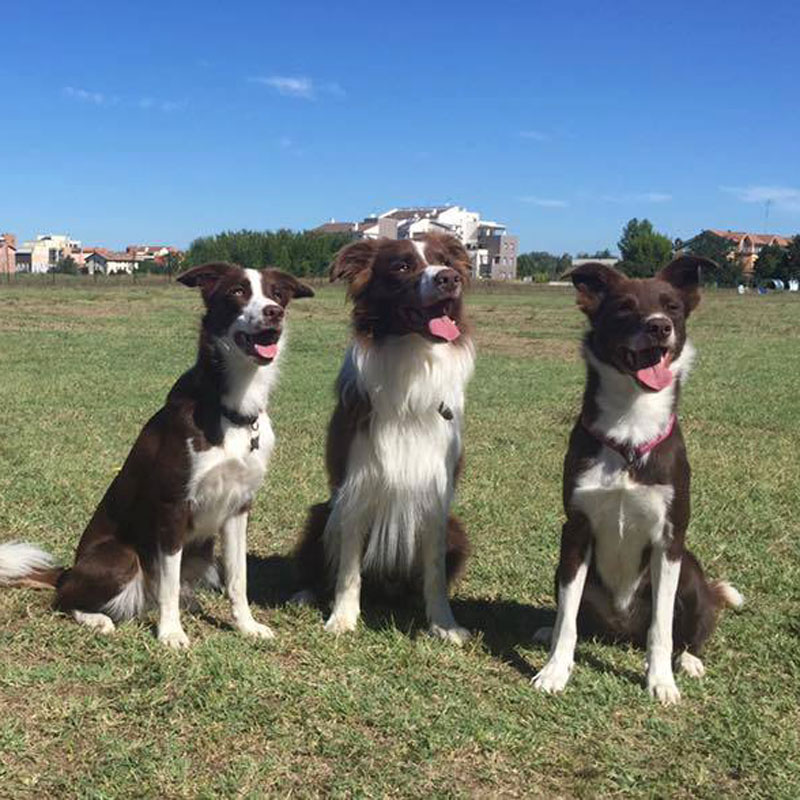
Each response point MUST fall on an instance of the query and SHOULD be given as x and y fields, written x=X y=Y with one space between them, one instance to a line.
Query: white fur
x=555 y=673
x=625 y=517
x=19 y=559
x=234 y=556
x=730 y=594
x=691 y=665
x=101 y=623
x=130 y=602
x=664 y=573
x=170 y=631
x=627 y=412
x=400 y=475
x=224 y=479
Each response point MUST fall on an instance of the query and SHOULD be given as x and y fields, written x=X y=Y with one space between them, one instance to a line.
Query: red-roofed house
x=749 y=245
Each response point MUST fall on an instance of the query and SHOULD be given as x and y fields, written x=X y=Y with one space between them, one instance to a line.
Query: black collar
x=238 y=419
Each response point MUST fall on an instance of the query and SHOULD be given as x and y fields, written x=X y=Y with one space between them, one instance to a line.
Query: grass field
x=388 y=711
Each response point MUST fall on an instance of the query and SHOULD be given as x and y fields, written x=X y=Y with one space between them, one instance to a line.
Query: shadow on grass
x=271 y=581
x=504 y=625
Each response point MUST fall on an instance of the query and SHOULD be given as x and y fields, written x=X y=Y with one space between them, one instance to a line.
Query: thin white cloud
x=782 y=197
x=637 y=197
x=167 y=106
x=544 y=202
x=84 y=96
x=536 y=136
x=299 y=86
x=289 y=86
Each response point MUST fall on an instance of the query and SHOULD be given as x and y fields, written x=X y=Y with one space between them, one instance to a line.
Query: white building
x=107 y=262
x=492 y=250
x=45 y=251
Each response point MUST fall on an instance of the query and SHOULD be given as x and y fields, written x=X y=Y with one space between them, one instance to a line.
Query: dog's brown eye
x=402 y=266
x=237 y=291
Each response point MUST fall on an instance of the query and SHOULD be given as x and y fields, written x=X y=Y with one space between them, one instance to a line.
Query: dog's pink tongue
x=444 y=328
x=657 y=377
x=267 y=350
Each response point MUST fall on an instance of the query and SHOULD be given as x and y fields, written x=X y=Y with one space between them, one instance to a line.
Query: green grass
x=388 y=711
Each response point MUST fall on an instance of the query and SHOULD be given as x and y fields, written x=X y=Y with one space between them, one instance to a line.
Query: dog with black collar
x=191 y=475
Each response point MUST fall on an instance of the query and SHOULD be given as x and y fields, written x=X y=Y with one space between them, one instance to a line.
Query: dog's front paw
x=663 y=689
x=453 y=633
x=341 y=622
x=552 y=677
x=256 y=630
x=174 y=638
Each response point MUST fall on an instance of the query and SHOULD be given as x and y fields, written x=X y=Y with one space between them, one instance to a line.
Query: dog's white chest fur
x=625 y=517
x=224 y=479
x=400 y=472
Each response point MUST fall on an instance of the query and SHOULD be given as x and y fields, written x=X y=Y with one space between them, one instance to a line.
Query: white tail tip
x=730 y=594
x=20 y=559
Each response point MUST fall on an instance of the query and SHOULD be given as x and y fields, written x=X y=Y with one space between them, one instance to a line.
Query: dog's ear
x=593 y=282
x=206 y=276
x=684 y=273
x=353 y=259
x=289 y=286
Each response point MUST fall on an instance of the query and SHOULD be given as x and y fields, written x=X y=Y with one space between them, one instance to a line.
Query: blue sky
x=160 y=122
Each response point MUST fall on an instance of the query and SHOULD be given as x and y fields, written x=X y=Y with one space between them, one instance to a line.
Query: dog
x=624 y=572
x=192 y=473
x=394 y=445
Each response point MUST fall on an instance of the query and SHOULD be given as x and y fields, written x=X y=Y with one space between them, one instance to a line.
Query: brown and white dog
x=192 y=473
x=394 y=442
x=624 y=571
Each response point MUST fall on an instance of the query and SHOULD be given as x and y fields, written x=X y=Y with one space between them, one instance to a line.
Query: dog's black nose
x=273 y=314
x=447 y=280
x=659 y=328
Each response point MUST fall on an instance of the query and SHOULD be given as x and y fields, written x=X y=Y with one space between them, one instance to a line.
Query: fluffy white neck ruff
x=626 y=412
x=409 y=375
x=248 y=384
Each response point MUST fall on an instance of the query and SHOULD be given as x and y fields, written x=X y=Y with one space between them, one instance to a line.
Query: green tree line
x=302 y=253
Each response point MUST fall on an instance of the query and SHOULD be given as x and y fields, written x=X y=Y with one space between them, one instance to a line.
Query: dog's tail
x=725 y=594
x=24 y=564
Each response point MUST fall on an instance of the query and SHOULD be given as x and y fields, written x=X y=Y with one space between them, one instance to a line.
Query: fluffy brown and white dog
x=394 y=442
x=192 y=473
x=624 y=571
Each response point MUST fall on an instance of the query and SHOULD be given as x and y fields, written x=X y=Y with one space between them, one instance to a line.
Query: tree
x=722 y=252
x=644 y=250
x=792 y=266
x=541 y=263
x=771 y=263
x=301 y=253
x=66 y=266
x=597 y=254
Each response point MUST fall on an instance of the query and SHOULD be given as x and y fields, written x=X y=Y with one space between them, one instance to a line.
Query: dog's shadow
x=504 y=625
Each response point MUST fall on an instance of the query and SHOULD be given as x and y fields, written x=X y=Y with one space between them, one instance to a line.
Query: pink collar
x=629 y=453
